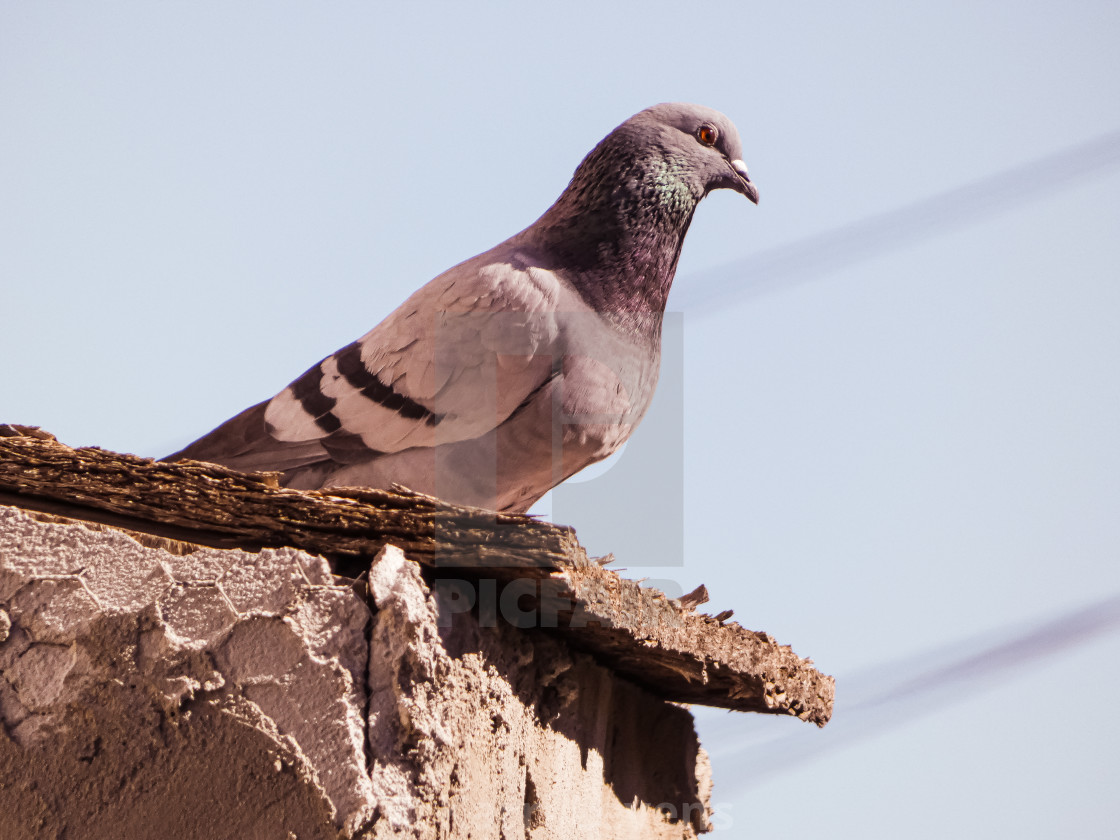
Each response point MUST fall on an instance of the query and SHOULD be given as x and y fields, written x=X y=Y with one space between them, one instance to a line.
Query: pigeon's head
x=696 y=144
x=618 y=227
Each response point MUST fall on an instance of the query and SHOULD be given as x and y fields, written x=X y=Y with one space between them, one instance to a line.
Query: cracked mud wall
x=222 y=693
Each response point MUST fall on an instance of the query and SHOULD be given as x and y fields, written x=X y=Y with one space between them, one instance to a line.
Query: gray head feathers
x=622 y=219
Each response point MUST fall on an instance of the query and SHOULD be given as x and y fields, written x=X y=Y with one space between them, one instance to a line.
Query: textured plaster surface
x=223 y=693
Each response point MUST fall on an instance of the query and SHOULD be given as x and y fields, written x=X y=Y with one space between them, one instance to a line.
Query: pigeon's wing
x=243 y=442
x=451 y=363
x=454 y=361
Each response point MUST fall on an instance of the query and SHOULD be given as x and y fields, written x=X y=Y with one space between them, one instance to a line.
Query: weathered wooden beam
x=520 y=568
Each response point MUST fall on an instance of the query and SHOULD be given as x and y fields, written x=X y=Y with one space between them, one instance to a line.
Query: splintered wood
x=531 y=573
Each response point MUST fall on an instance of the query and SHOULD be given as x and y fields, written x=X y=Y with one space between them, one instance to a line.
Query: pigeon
x=517 y=368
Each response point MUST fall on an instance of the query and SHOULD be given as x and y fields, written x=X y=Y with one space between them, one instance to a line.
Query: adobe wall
x=227 y=694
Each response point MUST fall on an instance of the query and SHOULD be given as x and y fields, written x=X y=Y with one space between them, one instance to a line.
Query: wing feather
x=451 y=363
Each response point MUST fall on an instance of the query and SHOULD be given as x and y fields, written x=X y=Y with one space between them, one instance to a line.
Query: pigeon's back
x=454 y=393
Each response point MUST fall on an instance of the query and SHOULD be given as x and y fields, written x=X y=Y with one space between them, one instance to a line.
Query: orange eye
x=706 y=135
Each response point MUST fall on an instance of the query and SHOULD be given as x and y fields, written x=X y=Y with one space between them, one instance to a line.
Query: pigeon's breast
x=607 y=383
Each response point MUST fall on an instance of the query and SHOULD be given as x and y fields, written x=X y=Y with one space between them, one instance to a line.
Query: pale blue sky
x=885 y=461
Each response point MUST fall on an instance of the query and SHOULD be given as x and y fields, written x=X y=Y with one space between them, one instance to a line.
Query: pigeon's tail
x=243 y=443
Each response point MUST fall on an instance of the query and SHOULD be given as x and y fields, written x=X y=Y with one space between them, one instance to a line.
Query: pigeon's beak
x=743 y=180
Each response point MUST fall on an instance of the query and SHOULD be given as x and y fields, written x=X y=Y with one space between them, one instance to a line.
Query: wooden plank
x=527 y=571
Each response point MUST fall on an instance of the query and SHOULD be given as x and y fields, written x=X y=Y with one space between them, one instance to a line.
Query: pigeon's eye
x=706 y=135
